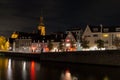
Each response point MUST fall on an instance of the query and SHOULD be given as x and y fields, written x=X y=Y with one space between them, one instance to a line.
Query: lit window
x=118 y=35
x=68 y=45
x=105 y=35
x=67 y=40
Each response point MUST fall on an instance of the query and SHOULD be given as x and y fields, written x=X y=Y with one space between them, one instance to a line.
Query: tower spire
x=41 y=27
x=41 y=20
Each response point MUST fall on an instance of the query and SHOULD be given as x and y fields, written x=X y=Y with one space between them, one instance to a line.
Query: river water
x=21 y=69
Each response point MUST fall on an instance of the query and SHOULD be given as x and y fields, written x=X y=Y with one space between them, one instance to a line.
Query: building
x=105 y=33
x=36 y=42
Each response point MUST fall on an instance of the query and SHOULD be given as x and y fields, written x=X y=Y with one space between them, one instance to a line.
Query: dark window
x=105 y=29
x=95 y=35
x=95 y=29
x=117 y=29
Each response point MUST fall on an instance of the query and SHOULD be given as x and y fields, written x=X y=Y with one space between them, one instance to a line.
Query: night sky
x=59 y=15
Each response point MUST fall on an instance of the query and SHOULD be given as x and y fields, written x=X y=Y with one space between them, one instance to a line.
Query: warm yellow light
x=67 y=75
x=14 y=35
x=105 y=35
x=106 y=78
x=42 y=30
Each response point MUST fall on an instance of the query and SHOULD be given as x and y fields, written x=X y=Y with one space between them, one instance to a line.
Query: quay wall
x=106 y=57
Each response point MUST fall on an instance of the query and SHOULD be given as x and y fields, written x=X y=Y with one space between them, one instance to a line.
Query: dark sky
x=23 y=15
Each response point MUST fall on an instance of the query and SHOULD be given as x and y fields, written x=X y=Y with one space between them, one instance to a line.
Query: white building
x=105 y=33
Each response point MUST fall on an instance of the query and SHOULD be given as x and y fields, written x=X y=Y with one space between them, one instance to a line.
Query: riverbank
x=106 y=57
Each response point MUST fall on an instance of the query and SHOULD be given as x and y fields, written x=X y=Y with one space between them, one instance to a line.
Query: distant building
x=76 y=32
x=73 y=38
x=41 y=27
x=105 y=33
x=36 y=42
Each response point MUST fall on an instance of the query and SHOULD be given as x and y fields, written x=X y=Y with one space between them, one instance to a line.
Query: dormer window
x=105 y=29
x=95 y=29
x=117 y=29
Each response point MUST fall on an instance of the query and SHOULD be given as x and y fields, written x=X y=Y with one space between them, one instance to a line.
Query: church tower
x=41 y=27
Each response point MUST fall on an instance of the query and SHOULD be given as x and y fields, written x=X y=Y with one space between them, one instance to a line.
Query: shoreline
x=106 y=57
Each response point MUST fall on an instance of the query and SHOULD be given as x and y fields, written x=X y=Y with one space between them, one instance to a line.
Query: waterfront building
x=106 y=33
x=28 y=42
x=73 y=38
x=36 y=42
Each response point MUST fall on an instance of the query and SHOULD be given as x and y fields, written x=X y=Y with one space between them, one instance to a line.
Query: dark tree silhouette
x=116 y=42
x=100 y=43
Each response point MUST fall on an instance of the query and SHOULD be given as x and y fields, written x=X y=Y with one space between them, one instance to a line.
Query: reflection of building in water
x=9 y=70
x=32 y=71
x=68 y=76
x=24 y=71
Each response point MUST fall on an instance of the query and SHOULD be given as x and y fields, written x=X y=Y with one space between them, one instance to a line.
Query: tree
x=100 y=43
x=61 y=46
x=72 y=44
x=50 y=45
x=84 y=43
x=4 y=44
x=116 y=42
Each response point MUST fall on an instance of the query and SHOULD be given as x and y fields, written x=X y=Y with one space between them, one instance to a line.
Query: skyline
x=59 y=15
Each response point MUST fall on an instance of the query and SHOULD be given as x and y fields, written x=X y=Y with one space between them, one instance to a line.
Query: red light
x=67 y=40
x=32 y=70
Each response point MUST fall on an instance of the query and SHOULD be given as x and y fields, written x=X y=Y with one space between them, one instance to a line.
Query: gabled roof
x=73 y=35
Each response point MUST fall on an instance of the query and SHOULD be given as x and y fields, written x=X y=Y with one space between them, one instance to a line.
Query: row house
x=33 y=42
x=105 y=33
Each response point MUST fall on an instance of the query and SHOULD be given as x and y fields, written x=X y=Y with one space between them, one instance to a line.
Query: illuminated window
x=118 y=35
x=105 y=35
x=68 y=45
x=67 y=40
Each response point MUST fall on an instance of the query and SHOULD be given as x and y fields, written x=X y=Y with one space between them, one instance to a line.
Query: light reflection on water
x=20 y=69
x=24 y=71
x=9 y=70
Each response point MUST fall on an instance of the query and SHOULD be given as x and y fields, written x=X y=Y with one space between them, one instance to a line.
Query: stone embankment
x=106 y=57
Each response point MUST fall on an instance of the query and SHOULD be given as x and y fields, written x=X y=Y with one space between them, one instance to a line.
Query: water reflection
x=20 y=69
x=24 y=71
x=106 y=78
x=32 y=71
x=66 y=75
x=9 y=70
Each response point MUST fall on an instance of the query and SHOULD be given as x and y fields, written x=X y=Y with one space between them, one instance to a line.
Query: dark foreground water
x=21 y=69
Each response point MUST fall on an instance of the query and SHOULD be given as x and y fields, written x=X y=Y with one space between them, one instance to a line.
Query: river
x=22 y=69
